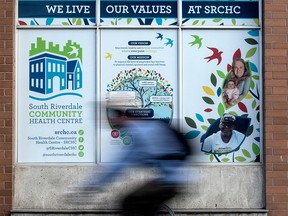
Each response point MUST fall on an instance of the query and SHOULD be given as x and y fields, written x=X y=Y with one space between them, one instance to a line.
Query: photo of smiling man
x=226 y=140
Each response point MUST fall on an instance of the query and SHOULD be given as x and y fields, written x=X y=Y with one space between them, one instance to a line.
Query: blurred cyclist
x=155 y=144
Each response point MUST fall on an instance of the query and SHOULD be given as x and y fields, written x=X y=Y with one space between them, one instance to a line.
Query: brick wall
x=6 y=104
x=276 y=105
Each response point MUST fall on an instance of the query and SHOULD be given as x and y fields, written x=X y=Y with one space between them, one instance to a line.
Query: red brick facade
x=6 y=103
x=275 y=59
x=276 y=105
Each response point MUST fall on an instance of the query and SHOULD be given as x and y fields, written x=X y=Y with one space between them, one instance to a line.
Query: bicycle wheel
x=165 y=210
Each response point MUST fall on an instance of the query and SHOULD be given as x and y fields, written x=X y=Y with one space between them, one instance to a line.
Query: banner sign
x=220 y=9
x=32 y=12
x=220 y=13
x=56 y=97
x=139 y=72
x=150 y=12
x=142 y=9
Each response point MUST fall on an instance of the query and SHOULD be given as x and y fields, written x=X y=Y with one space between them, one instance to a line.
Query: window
x=49 y=66
x=175 y=57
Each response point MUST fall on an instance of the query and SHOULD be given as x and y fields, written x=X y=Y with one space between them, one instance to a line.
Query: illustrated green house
x=49 y=72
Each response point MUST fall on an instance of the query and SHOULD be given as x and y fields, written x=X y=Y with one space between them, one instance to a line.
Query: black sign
x=220 y=9
x=138 y=9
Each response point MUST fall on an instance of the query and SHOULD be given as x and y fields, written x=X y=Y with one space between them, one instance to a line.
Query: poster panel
x=138 y=12
x=56 y=96
x=138 y=70
x=56 y=12
x=221 y=76
x=220 y=13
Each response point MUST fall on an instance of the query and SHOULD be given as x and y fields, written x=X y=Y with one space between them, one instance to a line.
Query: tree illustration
x=130 y=80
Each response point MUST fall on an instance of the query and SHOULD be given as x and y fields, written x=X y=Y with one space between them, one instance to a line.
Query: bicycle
x=165 y=210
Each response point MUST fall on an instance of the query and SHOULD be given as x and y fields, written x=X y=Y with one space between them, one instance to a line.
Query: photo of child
x=237 y=82
x=230 y=93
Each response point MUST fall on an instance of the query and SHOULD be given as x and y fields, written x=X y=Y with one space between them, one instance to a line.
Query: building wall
x=275 y=106
x=6 y=103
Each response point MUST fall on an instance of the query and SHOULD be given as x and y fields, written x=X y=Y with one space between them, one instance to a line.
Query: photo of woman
x=240 y=76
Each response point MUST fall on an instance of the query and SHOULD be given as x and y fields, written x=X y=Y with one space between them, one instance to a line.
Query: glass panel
x=138 y=71
x=222 y=76
x=54 y=118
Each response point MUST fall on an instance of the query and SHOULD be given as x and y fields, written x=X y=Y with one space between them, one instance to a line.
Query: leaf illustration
x=159 y=21
x=240 y=158
x=208 y=100
x=251 y=52
x=93 y=20
x=220 y=74
x=256 y=77
x=233 y=113
x=65 y=23
x=219 y=91
x=248 y=96
x=217 y=20
x=256 y=21
x=250 y=130
x=234 y=21
x=246 y=153
x=208 y=110
x=195 y=22
x=242 y=107
x=190 y=122
x=192 y=134
x=22 y=22
x=199 y=117
x=225 y=159
x=251 y=41
x=49 y=21
x=229 y=67
x=221 y=109
x=253 y=67
x=255 y=149
x=237 y=54
x=254 y=104
x=252 y=84
x=208 y=90
x=211 y=121
x=253 y=33
x=211 y=158
x=213 y=79
x=245 y=115
x=79 y=22
x=204 y=127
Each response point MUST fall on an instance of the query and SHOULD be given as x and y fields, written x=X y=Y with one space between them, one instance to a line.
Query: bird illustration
x=216 y=55
x=108 y=56
x=170 y=42
x=197 y=40
x=74 y=51
x=160 y=36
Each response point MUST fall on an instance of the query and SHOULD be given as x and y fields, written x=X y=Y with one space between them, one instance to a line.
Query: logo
x=115 y=133
x=54 y=70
